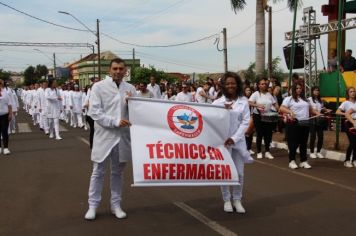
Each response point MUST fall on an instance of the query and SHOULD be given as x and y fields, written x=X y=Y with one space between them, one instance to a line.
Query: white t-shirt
x=348 y=105
x=172 y=98
x=147 y=94
x=156 y=90
x=4 y=102
x=184 y=97
x=265 y=99
x=198 y=97
x=300 y=108
x=317 y=106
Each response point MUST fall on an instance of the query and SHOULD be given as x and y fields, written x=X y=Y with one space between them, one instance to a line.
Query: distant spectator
x=185 y=95
x=144 y=92
x=170 y=95
x=349 y=62
x=202 y=93
x=154 y=88
x=332 y=61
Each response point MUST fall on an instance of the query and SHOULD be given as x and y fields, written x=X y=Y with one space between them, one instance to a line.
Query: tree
x=41 y=70
x=142 y=74
x=260 y=50
x=277 y=71
x=30 y=76
x=4 y=75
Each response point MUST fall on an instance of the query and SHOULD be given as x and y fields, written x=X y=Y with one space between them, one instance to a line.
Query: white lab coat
x=76 y=99
x=35 y=102
x=53 y=109
x=107 y=106
x=239 y=121
x=43 y=100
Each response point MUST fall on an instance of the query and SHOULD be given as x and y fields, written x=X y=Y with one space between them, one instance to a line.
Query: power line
x=243 y=31
x=111 y=37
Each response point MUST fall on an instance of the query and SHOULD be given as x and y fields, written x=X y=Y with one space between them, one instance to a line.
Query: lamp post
x=97 y=35
x=53 y=60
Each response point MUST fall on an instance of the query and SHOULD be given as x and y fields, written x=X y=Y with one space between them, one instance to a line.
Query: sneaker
x=238 y=206
x=269 y=155
x=348 y=164
x=312 y=156
x=118 y=212
x=228 y=207
x=51 y=136
x=304 y=165
x=293 y=165
x=91 y=214
x=251 y=152
x=273 y=145
x=85 y=128
x=58 y=138
x=319 y=155
x=259 y=155
x=6 y=151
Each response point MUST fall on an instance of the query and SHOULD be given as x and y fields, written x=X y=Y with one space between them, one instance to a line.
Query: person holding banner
x=108 y=108
x=234 y=100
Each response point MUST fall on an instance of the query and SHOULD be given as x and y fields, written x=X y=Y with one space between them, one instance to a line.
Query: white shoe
x=259 y=155
x=238 y=206
x=251 y=152
x=319 y=155
x=51 y=136
x=58 y=138
x=304 y=165
x=6 y=151
x=273 y=145
x=293 y=165
x=228 y=206
x=118 y=212
x=91 y=214
x=312 y=155
x=354 y=163
x=85 y=128
x=13 y=131
x=348 y=164
x=269 y=155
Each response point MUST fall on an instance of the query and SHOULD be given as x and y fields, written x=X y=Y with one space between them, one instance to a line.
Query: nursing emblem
x=185 y=121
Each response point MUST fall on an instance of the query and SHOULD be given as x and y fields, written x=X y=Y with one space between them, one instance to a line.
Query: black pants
x=4 y=126
x=249 y=141
x=91 y=128
x=352 y=144
x=263 y=130
x=297 y=136
x=314 y=131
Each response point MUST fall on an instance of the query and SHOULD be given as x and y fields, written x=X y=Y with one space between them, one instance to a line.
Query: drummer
x=349 y=104
x=297 y=107
x=262 y=102
x=318 y=127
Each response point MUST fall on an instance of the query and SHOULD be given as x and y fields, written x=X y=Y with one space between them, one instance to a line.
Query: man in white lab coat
x=154 y=88
x=108 y=108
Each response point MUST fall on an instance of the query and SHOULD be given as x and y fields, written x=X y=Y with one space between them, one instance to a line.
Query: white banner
x=179 y=144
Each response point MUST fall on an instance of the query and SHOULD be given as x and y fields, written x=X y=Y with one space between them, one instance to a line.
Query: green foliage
x=277 y=72
x=4 y=75
x=33 y=75
x=142 y=74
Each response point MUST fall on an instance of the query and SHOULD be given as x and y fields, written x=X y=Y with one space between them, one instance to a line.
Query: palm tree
x=237 y=5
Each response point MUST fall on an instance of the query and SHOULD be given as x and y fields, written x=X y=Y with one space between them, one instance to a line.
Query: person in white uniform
x=35 y=105
x=202 y=93
x=346 y=106
x=108 y=108
x=76 y=99
x=5 y=116
x=53 y=109
x=154 y=88
x=14 y=105
x=43 y=107
x=184 y=95
x=234 y=100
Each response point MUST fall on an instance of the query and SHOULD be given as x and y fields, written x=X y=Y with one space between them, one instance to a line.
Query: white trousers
x=36 y=118
x=236 y=193
x=116 y=179
x=44 y=122
x=12 y=124
x=54 y=126
x=77 y=119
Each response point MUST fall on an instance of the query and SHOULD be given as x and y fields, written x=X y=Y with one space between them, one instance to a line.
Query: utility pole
x=98 y=44
x=133 y=62
x=269 y=42
x=93 y=61
x=225 y=50
x=54 y=65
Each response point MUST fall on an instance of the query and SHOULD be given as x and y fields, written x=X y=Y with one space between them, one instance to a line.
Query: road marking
x=24 y=128
x=205 y=220
x=83 y=140
x=309 y=176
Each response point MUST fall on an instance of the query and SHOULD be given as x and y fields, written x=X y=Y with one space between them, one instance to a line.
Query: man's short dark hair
x=349 y=50
x=117 y=60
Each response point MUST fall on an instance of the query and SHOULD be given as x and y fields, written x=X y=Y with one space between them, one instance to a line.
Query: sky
x=148 y=22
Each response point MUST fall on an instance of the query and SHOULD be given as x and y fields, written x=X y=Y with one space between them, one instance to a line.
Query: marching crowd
x=258 y=107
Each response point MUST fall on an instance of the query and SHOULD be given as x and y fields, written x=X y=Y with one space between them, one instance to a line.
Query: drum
x=270 y=117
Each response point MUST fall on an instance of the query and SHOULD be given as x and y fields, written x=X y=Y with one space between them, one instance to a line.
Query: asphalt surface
x=44 y=185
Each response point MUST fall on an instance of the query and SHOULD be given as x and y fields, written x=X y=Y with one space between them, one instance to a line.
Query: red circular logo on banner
x=185 y=121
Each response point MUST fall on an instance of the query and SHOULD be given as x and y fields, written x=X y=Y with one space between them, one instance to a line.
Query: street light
x=53 y=60
x=97 y=34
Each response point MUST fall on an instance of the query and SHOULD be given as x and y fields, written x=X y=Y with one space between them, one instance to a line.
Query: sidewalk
x=328 y=149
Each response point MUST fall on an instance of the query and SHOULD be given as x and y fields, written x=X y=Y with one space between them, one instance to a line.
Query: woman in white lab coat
x=53 y=109
x=76 y=98
x=234 y=100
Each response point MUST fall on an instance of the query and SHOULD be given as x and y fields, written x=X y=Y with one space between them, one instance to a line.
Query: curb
x=332 y=155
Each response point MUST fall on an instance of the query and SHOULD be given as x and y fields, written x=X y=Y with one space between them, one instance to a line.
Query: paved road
x=44 y=183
